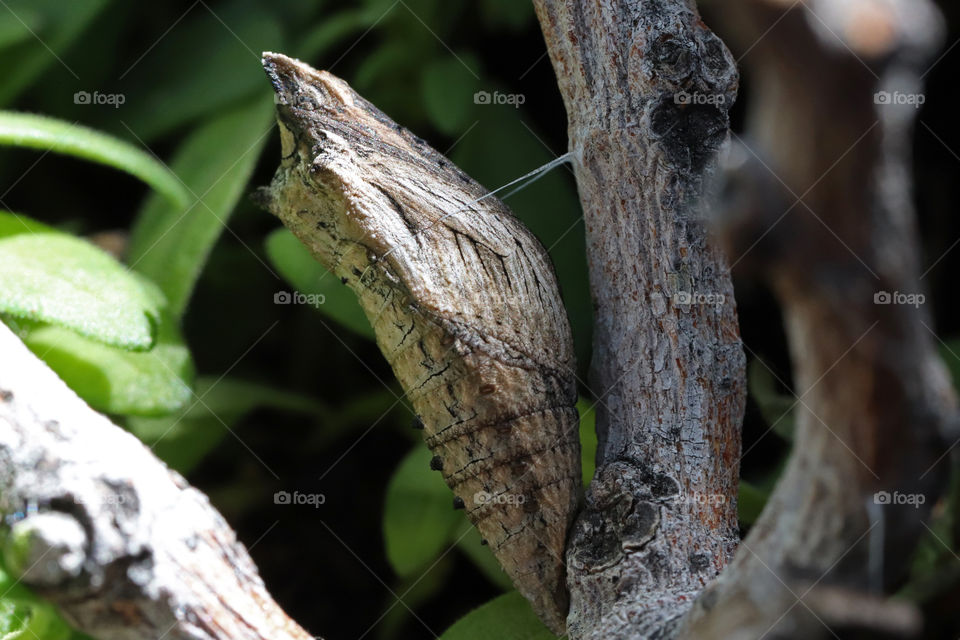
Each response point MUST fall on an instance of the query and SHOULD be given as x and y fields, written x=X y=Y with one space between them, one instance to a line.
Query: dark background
x=327 y=566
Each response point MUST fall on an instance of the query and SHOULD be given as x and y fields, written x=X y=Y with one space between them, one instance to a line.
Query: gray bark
x=647 y=89
x=876 y=401
x=124 y=547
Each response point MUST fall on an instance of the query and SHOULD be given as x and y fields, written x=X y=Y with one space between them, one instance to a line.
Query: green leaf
x=509 y=14
x=389 y=75
x=775 y=407
x=418 y=514
x=55 y=278
x=330 y=31
x=182 y=439
x=43 y=30
x=414 y=592
x=302 y=271
x=49 y=134
x=934 y=564
x=24 y=616
x=468 y=542
x=206 y=68
x=367 y=408
x=170 y=244
x=115 y=381
x=12 y=224
x=508 y=617
x=751 y=500
x=13 y=31
x=29 y=619
x=950 y=353
x=448 y=93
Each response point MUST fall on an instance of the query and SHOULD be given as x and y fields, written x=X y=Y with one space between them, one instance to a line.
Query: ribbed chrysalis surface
x=465 y=306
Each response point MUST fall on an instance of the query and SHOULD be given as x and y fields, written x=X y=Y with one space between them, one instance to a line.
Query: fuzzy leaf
x=55 y=278
x=115 y=381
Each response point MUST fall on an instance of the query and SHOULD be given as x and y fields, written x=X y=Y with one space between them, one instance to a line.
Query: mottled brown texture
x=647 y=88
x=465 y=306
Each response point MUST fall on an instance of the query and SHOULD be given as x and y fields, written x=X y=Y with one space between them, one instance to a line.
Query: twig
x=124 y=547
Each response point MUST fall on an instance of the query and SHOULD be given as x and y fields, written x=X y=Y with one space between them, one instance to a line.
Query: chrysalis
x=465 y=306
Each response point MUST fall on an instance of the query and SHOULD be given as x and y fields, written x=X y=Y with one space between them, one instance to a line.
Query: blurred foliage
x=23 y=616
x=294 y=262
x=420 y=525
x=114 y=380
x=508 y=617
x=287 y=397
x=183 y=438
x=56 y=278
x=169 y=242
x=776 y=405
x=57 y=136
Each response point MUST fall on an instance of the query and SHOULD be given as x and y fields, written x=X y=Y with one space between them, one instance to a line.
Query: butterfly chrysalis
x=465 y=306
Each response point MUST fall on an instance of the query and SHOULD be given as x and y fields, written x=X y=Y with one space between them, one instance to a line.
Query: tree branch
x=124 y=547
x=647 y=89
x=837 y=241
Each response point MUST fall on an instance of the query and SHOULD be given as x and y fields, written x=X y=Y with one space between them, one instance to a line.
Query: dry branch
x=822 y=209
x=647 y=89
x=124 y=547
